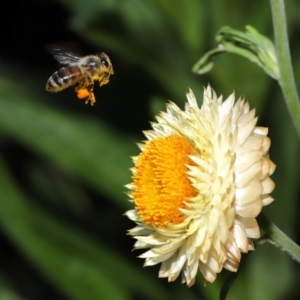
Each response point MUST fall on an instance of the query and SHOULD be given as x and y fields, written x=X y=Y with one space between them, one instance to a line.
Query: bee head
x=104 y=62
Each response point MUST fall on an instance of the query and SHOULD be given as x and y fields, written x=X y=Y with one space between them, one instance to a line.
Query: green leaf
x=206 y=62
x=278 y=238
x=250 y=44
x=6 y=292
x=76 y=277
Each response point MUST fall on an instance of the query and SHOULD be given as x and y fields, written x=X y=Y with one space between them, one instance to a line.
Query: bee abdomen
x=63 y=78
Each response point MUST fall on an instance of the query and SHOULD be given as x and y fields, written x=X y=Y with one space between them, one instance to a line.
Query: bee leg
x=90 y=88
x=104 y=79
x=91 y=97
x=80 y=85
x=84 y=89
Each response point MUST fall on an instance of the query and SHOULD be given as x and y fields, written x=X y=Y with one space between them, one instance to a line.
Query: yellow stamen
x=161 y=185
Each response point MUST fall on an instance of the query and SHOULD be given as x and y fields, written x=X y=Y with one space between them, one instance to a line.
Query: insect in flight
x=80 y=72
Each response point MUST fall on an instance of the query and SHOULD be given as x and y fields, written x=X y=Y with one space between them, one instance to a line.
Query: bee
x=80 y=72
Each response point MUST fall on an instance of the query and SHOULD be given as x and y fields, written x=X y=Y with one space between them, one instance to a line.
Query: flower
x=199 y=182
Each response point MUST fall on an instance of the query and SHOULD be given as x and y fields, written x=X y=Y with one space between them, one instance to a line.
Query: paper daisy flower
x=199 y=182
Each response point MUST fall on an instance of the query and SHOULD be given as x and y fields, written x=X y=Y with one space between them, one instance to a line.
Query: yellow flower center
x=161 y=184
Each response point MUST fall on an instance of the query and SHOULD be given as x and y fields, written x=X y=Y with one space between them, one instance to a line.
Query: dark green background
x=64 y=164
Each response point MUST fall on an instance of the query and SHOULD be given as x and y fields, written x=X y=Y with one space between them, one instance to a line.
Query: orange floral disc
x=161 y=184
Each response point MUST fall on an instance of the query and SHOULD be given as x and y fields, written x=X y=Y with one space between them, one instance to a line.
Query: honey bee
x=80 y=72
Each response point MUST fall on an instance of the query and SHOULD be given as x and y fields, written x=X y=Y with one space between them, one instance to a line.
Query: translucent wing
x=62 y=56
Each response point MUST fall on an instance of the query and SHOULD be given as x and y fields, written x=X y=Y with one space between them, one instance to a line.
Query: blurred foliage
x=63 y=164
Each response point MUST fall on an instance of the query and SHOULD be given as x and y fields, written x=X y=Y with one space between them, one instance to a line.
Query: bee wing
x=63 y=57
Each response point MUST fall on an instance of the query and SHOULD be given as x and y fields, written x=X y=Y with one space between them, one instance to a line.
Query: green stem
x=286 y=80
x=279 y=238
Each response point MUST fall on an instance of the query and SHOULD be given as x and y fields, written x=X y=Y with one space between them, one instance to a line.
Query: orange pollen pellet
x=161 y=184
x=83 y=93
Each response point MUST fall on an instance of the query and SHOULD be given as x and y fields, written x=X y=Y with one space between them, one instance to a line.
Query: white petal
x=207 y=272
x=139 y=230
x=272 y=168
x=167 y=247
x=251 y=210
x=191 y=98
x=158 y=259
x=266 y=145
x=261 y=130
x=253 y=143
x=240 y=236
x=245 y=160
x=132 y=215
x=268 y=185
x=266 y=199
x=165 y=268
x=249 y=193
x=242 y=179
x=177 y=263
x=251 y=227
x=245 y=129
